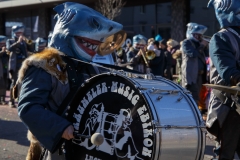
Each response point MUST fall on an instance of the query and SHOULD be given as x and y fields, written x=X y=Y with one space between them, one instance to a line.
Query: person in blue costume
x=134 y=55
x=40 y=44
x=47 y=77
x=3 y=68
x=19 y=51
x=193 y=59
x=223 y=117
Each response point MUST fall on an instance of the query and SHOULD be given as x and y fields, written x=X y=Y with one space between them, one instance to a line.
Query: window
x=142 y=9
x=142 y=29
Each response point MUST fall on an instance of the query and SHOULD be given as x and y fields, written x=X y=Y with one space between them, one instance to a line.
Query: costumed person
x=121 y=57
x=172 y=47
x=134 y=55
x=19 y=49
x=40 y=44
x=150 y=45
x=194 y=50
x=3 y=80
x=178 y=57
x=223 y=116
x=167 y=60
x=157 y=63
x=49 y=79
x=128 y=46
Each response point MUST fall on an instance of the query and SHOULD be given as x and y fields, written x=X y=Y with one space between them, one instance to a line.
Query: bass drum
x=139 y=118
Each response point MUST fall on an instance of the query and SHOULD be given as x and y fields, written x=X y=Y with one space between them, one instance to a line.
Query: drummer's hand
x=20 y=39
x=204 y=43
x=3 y=49
x=68 y=133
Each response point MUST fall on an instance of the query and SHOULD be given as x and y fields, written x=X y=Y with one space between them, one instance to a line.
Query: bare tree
x=109 y=8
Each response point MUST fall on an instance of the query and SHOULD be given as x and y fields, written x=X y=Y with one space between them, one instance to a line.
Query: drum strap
x=224 y=99
x=227 y=100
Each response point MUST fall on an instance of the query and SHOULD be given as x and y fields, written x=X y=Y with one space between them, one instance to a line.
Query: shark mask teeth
x=88 y=45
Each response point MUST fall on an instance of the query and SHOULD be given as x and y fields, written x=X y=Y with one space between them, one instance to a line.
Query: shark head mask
x=40 y=44
x=139 y=41
x=227 y=12
x=79 y=30
x=16 y=30
x=194 y=28
x=3 y=40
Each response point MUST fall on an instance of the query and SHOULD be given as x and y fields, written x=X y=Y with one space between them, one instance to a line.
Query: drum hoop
x=133 y=81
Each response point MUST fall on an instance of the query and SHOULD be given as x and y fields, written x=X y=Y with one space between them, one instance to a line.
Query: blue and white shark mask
x=79 y=30
x=49 y=37
x=3 y=40
x=139 y=41
x=194 y=28
x=40 y=44
x=16 y=29
x=227 y=12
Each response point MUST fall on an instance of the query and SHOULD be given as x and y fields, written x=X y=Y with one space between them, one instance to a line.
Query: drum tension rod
x=179 y=99
x=157 y=125
x=159 y=98
x=179 y=127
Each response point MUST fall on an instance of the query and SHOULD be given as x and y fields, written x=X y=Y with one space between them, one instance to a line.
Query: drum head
x=115 y=108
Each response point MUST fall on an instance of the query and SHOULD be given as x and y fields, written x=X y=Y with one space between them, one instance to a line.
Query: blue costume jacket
x=222 y=66
x=41 y=94
x=193 y=60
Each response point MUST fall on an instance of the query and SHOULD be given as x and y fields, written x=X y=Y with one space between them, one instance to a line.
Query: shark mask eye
x=95 y=23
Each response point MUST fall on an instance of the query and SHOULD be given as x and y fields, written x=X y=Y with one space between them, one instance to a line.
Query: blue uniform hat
x=139 y=39
x=158 y=38
x=195 y=28
x=40 y=42
x=3 y=39
x=227 y=12
x=19 y=28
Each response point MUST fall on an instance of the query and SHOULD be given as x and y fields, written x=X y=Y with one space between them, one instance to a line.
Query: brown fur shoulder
x=49 y=60
x=35 y=149
x=177 y=54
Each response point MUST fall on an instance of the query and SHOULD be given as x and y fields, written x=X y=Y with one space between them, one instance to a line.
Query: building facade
x=149 y=18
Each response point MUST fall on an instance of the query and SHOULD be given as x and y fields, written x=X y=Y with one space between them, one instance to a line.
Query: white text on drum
x=144 y=116
x=88 y=157
x=127 y=93
x=100 y=89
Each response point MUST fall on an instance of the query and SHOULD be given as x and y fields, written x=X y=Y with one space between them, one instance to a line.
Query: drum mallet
x=96 y=138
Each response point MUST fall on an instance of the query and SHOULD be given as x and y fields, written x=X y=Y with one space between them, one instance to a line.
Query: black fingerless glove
x=235 y=79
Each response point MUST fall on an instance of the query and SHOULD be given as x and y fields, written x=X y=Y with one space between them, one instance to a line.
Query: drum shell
x=175 y=109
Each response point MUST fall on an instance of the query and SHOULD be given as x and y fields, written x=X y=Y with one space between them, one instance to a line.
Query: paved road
x=13 y=141
x=14 y=144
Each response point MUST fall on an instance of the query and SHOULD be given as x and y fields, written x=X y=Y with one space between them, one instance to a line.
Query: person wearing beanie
x=167 y=59
x=156 y=64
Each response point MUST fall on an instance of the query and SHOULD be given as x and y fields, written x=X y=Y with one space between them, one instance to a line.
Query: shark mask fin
x=59 y=8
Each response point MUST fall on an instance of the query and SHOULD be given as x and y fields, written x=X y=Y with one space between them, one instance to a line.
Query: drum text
x=88 y=157
x=144 y=116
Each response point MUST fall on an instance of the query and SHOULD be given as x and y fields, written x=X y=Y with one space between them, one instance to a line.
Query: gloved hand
x=11 y=74
x=68 y=133
x=234 y=79
x=188 y=86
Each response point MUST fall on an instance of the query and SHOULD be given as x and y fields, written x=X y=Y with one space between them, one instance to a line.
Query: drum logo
x=116 y=126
